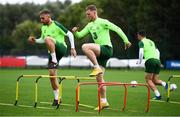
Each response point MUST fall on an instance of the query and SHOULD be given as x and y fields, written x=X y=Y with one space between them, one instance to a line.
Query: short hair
x=142 y=33
x=91 y=7
x=45 y=11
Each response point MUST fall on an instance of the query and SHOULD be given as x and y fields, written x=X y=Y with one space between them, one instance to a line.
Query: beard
x=45 y=23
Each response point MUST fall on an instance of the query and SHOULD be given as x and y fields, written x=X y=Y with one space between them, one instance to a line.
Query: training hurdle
x=61 y=78
x=168 y=91
x=78 y=78
x=100 y=85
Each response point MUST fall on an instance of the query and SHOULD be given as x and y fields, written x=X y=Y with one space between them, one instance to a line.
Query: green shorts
x=60 y=49
x=105 y=53
x=153 y=66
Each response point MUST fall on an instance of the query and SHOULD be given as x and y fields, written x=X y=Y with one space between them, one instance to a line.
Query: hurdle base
x=15 y=104
x=59 y=104
x=35 y=105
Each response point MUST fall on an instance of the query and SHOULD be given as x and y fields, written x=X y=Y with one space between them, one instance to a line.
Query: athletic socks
x=96 y=66
x=56 y=94
x=103 y=100
x=156 y=92
x=53 y=55
x=163 y=84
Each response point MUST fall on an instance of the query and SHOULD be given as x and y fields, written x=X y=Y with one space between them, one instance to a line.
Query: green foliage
x=21 y=33
x=158 y=17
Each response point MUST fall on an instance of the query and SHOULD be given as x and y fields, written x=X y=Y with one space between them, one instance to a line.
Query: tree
x=20 y=35
x=158 y=17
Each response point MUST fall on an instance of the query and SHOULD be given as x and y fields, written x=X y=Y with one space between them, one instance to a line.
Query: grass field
x=136 y=100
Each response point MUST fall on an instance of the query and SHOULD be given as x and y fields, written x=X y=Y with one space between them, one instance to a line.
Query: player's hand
x=74 y=29
x=73 y=52
x=31 y=39
x=127 y=45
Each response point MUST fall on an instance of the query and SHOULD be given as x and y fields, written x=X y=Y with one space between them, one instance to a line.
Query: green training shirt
x=149 y=48
x=99 y=30
x=55 y=30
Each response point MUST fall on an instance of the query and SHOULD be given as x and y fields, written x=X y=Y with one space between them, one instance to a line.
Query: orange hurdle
x=125 y=93
x=100 y=85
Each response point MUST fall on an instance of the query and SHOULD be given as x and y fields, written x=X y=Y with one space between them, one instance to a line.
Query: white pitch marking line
x=60 y=103
x=6 y=104
x=173 y=102
x=88 y=106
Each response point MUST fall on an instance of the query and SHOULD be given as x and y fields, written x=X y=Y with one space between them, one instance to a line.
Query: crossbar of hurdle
x=38 y=77
x=100 y=85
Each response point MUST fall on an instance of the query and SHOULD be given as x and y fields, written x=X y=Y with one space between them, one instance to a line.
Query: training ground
x=136 y=98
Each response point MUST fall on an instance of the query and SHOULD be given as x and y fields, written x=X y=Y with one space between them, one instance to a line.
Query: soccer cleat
x=52 y=65
x=103 y=105
x=55 y=103
x=96 y=71
x=157 y=98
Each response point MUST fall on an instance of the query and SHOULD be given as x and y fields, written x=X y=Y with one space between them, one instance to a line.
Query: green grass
x=136 y=100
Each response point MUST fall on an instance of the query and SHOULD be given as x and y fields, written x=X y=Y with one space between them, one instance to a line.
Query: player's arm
x=67 y=33
x=158 y=53
x=118 y=30
x=70 y=36
x=141 y=52
x=71 y=39
x=32 y=40
x=40 y=40
x=82 y=33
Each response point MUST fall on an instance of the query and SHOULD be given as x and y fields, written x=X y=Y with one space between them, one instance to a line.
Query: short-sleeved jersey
x=149 y=48
x=55 y=30
x=99 y=30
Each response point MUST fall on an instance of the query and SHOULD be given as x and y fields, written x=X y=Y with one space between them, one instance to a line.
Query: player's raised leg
x=50 y=44
x=92 y=50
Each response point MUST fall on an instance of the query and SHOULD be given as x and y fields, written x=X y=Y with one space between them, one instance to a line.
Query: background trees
x=160 y=18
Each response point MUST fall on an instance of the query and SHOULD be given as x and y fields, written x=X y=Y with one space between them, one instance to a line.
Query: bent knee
x=49 y=40
x=85 y=47
x=100 y=80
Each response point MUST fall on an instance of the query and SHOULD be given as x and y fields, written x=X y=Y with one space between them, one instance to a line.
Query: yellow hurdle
x=78 y=78
x=61 y=78
x=168 y=91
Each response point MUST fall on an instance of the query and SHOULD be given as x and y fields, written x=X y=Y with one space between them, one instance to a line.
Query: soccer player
x=53 y=36
x=151 y=55
x=101 y=50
